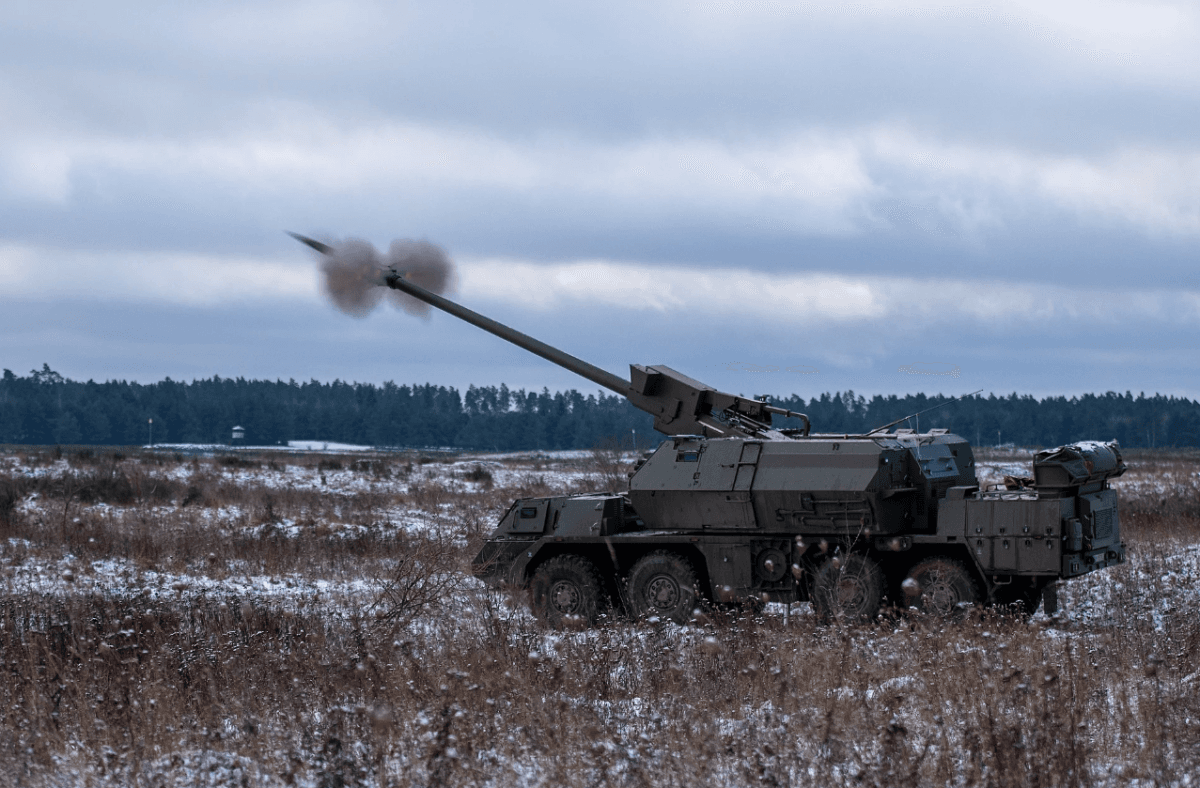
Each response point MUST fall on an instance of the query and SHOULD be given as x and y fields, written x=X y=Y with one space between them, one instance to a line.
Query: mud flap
x=1050 y=599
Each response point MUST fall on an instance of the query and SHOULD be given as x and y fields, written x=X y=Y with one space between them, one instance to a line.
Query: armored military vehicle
x=730 y=510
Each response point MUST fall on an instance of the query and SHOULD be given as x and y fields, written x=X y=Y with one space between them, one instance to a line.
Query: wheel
x=849 y=588
x=567 y=586
x=662 y=584
x=941 y=587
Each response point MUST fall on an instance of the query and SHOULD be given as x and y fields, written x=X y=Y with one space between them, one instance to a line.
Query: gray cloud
x=1035 y=150
x=147 y=342
x=622 y=69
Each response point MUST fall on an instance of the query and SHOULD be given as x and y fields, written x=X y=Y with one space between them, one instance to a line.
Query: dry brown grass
x=422 y=678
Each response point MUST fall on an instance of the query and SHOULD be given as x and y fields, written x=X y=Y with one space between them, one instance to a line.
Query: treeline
x=1150 y=422
x=45 y=408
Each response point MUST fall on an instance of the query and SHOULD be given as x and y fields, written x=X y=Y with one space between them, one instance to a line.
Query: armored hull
x=850 y=524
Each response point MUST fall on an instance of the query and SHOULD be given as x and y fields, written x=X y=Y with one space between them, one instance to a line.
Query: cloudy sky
x=771 y=197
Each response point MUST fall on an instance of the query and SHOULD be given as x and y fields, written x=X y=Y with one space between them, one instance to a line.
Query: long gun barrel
x=600 y=377
x=679 y=404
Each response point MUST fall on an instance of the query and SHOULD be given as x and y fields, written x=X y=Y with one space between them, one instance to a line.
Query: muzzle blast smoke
x=355 y=271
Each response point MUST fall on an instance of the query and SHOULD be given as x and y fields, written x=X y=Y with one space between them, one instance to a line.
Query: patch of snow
x=327 y=446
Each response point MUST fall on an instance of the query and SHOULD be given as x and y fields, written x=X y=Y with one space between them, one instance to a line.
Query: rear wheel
x=662 y=584
x=848 y=588
x=941 y=587
x=567 y=588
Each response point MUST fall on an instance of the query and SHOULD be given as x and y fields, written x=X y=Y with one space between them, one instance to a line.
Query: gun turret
x=679 y=404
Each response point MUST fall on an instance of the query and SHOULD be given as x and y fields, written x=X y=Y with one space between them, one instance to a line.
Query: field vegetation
x=290 y=619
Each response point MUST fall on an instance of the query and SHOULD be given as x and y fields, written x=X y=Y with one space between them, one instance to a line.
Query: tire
x=567 y=588
x=941 y=587
x=662 y=584
x=848 y=588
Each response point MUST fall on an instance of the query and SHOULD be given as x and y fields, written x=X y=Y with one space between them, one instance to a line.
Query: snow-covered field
x=295 y=618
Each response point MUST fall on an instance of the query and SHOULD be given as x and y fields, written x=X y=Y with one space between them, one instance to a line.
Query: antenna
x=918 y=413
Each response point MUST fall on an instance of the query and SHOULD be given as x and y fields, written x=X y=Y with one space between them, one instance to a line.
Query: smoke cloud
x=354 y=274
x=423 y=264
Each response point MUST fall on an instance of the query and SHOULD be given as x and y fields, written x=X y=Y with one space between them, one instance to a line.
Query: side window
x=531 y=518
x=687 y=456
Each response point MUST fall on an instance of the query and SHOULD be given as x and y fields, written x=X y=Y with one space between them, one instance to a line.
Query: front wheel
x=567 y=588
x=848 y=588
x=662 y=584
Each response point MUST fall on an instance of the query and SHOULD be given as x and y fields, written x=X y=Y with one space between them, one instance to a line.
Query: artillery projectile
x=320 y=247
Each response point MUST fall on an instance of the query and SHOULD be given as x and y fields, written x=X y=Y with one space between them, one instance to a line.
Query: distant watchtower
x=239 y=436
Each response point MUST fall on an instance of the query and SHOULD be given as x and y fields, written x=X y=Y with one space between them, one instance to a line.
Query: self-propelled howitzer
x=732 y=511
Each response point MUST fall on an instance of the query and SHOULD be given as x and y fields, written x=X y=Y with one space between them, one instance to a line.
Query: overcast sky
x=771 y=197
